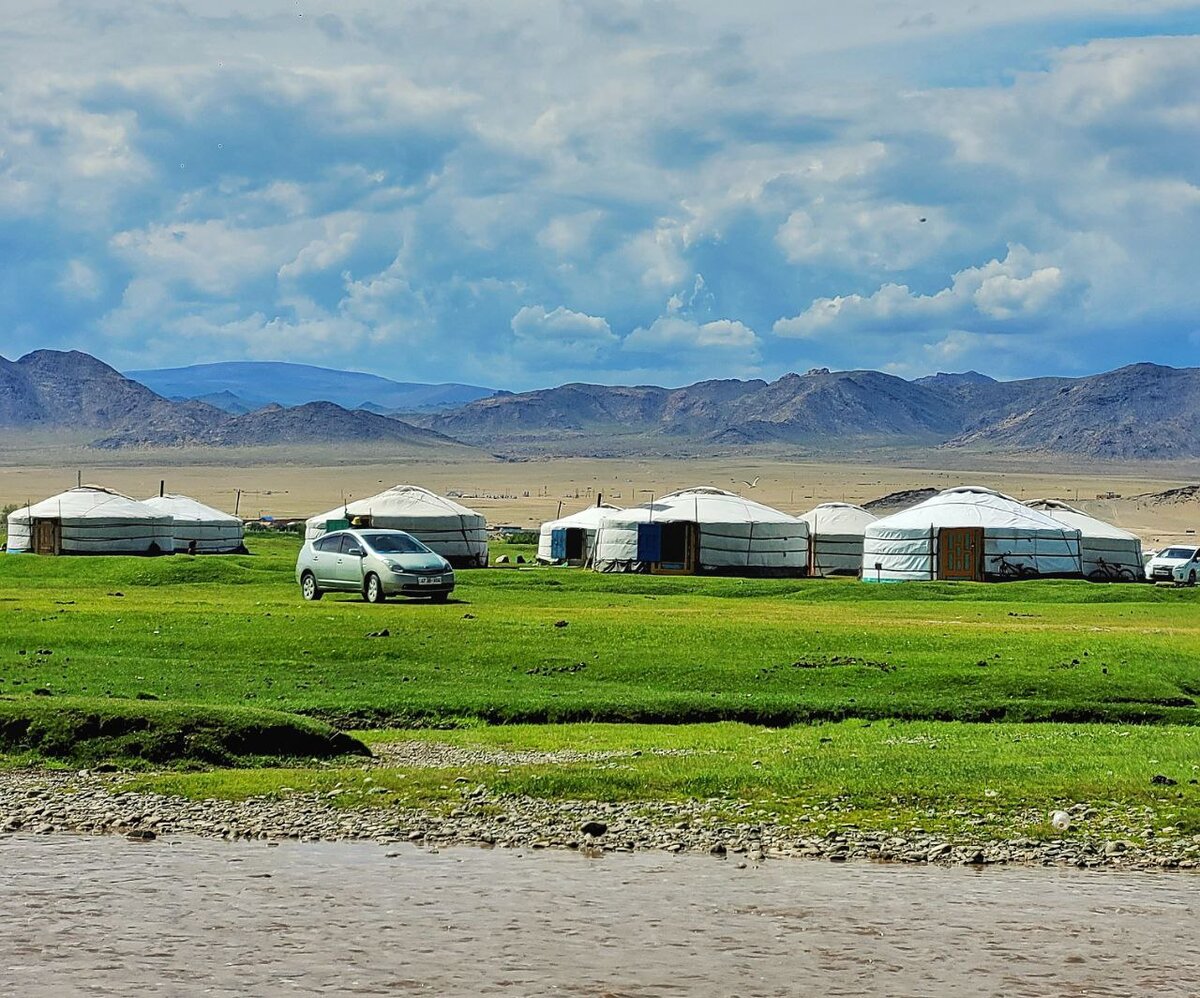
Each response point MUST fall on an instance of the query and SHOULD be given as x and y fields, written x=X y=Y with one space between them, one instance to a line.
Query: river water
x=190 y=916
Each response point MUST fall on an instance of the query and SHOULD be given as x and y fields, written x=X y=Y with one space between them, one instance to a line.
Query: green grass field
x=547 y=645
x=885 y=676
x=991 y=780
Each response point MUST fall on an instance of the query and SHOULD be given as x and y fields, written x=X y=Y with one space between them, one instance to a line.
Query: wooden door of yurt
x=47 y=536
x=960 y=554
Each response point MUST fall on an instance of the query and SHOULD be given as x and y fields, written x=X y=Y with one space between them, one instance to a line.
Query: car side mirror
x=357 y=553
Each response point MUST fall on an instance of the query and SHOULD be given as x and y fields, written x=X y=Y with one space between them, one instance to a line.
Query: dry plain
x=300 y=482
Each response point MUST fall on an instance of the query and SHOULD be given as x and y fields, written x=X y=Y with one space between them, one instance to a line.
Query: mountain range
x=239 y=387
x=1140 y=412
x=73 y=391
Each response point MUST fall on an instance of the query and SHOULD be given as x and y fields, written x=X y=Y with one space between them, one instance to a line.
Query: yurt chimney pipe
x=162 y=487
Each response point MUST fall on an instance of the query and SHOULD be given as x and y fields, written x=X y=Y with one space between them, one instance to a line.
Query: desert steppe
x=300 y=482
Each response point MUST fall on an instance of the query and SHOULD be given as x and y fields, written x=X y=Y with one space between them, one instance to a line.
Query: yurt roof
x=91 y=500
x=587 y=517
x=838 y=517
x=704 y=505
x=402 y=500
x=1077 y=519
x=187 y=508
x=971 y=506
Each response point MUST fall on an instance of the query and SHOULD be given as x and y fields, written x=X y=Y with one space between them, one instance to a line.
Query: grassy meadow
x=788 y=695
x=554 y=645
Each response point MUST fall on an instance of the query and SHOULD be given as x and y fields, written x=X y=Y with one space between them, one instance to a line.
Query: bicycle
x=1108 y=572
x=1006 y=569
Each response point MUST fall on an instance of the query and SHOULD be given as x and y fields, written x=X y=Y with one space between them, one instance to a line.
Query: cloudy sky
x=523 y=192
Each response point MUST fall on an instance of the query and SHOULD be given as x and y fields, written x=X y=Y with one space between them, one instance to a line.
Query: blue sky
x=523 y=193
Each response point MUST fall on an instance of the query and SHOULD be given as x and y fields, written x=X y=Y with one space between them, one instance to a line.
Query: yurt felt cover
x=213 y=531
x=736 y=534
x=455 y=532
x=835 y=534
x=587 y=519
x=95 y=520
x=905 y=545
x=1099 y=540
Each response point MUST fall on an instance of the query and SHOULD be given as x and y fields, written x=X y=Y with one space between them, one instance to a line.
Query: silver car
x=376 y=563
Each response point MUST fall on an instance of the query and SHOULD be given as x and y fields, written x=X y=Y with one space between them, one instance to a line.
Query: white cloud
x=544 y=339
x=397 y=178
x=862 y=235
x=320 y=254
x=673 y=332
x=80 y=281
x=1015 y=288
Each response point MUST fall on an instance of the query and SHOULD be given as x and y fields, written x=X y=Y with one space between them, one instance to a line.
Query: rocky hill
x=1139 y=412
x=53 y=390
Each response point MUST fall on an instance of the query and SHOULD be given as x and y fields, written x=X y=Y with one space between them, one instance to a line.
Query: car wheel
x=373 y=589
x=439 y=597
x=309 y=588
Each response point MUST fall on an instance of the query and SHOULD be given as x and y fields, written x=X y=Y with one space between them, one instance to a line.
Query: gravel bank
x=86 y=802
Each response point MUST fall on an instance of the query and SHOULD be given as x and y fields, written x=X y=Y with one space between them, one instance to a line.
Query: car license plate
x=429 y=580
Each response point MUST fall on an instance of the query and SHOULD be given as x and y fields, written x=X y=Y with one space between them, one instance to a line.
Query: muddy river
x=105 y=916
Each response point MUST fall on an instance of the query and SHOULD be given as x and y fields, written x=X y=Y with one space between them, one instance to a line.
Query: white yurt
x=569 y=540
x=90 y=520
x=455 y=532
x=969 y=533
x=702 y=530
x=835 y=537
x=1107 y=551
x=212 y=531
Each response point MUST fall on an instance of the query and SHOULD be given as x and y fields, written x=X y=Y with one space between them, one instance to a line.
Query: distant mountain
x=1139 y=412
x=253 y=384
x=225 y=401
x=50 y=389
x=813 y=408
x=53 y=390
x=314 y=423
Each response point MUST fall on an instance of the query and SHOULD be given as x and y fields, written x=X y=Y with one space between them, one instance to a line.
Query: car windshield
x=395 y=544
x=1181 y=554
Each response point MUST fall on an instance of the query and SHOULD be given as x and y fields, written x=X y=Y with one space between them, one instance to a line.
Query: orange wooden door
x=960 y=553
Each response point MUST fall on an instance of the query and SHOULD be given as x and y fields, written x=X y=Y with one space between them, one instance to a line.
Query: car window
x=1183 y=554
x=397 y=543
x=328 y=544
x=350 y=544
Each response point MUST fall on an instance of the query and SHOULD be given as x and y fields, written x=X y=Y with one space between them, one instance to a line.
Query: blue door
x=649 y=543
x=558 y=544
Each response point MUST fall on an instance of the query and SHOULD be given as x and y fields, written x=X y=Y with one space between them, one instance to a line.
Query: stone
x=593 y=828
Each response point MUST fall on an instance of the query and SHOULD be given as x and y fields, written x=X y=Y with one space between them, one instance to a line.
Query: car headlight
x=398 y=569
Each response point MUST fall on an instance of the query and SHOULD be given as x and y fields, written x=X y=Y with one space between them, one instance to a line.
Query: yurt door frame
x=47 y=536
x=960 y=554
x=680 y=551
